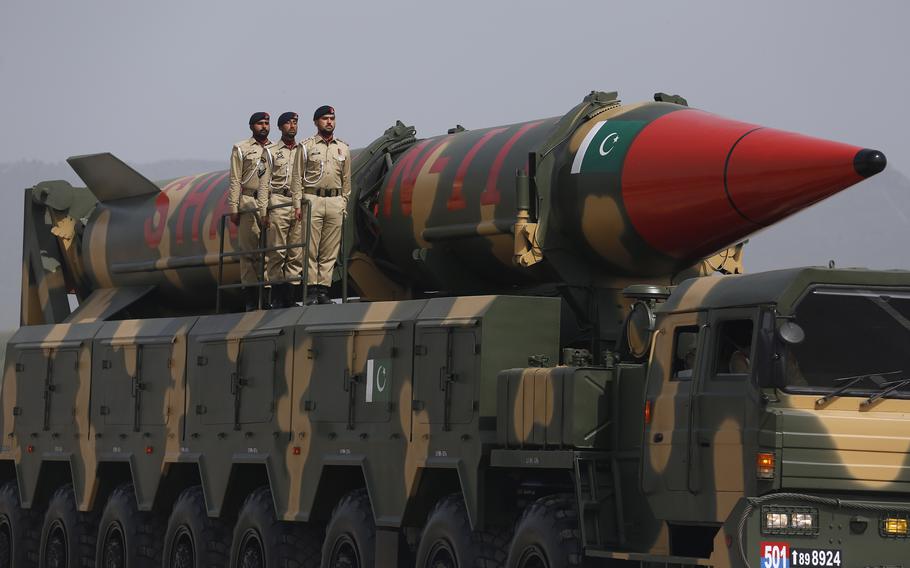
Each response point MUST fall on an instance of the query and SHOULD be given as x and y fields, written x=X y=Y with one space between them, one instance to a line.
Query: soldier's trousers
x=248 y=239
x=325 y=236
x=284 y=229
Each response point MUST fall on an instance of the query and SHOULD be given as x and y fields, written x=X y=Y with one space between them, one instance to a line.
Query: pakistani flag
x=605 y=146
x=379 y=380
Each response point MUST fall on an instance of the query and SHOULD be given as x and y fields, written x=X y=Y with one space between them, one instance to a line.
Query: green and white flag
x=604 y=147
x=379 y=379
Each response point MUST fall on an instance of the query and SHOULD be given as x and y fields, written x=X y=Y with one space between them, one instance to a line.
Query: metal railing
x=263 y=249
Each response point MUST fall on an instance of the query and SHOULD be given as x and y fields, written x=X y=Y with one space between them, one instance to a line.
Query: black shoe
x=250 y=299
x=323 y=297
x=277 y=299
x=292 y=295
x=312 y=295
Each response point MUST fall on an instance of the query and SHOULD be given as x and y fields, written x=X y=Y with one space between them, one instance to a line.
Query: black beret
x=285 y=117
x=322 y=111
x=257 y=116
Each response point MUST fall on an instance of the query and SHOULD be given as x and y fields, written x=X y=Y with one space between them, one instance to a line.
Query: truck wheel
x=350 y=539
x=547 y=535
x=261 y=540
x=192 y=538
x=128 y=537
x=19 y=529
x=448 y=541
x=67 y=536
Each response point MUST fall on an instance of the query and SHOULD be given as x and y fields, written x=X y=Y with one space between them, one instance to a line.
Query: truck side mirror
x=791 y=332
x=639 y=326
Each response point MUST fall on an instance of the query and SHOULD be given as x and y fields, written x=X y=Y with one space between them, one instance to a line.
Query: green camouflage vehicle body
x=432 y=424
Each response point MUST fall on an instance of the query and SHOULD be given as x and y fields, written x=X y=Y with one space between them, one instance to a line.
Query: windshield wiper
x=888 y=388
x=877 y=378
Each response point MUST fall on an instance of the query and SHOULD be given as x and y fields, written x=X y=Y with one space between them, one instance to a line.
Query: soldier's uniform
x=322 y=175
x=284 y=228
x=247 y=166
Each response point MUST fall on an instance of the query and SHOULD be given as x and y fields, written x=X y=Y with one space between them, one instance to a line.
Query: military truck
x=504 y=388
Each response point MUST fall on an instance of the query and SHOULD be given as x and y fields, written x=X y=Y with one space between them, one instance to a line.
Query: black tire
x=547 y=535
x=20 y=530
x=128 y=537
x=448 y=541
x=192 y=538
x=350 y=539
x=67 y=536
x=261 y=540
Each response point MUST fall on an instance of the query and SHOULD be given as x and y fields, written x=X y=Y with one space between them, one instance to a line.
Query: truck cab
x=777 y=412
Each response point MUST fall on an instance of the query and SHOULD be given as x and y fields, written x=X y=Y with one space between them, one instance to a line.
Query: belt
x=285 y=191
x=319 y=192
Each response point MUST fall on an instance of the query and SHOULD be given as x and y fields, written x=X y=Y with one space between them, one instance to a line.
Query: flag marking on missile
x=604 y=146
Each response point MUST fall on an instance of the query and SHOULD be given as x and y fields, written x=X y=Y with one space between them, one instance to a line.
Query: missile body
x=606 y=191
x=638 y=190
x=169 y=240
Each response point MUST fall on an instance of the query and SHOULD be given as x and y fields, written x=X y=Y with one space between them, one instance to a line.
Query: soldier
x=247 y=166
x=283 y=223
x=322 y=173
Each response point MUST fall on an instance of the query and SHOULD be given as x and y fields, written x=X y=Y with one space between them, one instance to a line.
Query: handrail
x=263 y=249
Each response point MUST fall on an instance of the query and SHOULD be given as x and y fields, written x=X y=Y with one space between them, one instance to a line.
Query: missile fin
x=104 y=303
x=109 y=178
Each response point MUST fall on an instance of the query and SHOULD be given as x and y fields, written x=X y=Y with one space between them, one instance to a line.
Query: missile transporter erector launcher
x=528 y=377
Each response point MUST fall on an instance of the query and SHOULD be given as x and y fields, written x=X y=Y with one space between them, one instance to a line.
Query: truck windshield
x=848 y=334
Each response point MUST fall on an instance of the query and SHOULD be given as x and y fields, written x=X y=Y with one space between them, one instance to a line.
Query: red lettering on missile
x=155 y=230
x=410 y=178
x=456 y=200
x=490 y=195
x=196 y=199
x=439 y=164
x=404 y=164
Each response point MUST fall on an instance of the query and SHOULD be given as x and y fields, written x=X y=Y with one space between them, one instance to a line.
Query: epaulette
x=342 y=142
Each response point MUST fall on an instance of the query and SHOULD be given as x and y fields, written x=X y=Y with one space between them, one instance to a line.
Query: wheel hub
x=251 y=550
x=55 y=549
x=442 y=555
x=183 y=555
x=113 y=548
x=344 y=553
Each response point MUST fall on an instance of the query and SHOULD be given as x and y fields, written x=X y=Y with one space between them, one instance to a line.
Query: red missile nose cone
x=694 y=183
x=771 y=174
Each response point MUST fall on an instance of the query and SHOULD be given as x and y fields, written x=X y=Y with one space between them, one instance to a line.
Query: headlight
x=802 y=521
x=789 y=520
x=779 y=521
x=894 y=527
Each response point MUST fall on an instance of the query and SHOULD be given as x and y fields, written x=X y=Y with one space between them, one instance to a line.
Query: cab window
x=685 y=347
x=733 y=353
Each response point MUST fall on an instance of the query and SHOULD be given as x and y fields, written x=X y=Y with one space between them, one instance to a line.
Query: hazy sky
x=164 y=80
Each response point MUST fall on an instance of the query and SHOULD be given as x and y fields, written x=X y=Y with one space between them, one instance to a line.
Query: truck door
x=725 y=390
x=445 y=374
x=675 y=362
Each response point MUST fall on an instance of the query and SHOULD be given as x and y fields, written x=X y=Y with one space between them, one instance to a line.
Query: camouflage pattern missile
x=607 y=190
x=643 y=189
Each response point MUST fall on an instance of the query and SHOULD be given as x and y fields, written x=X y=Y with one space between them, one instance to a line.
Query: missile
x=606 y=191
x=639 y=190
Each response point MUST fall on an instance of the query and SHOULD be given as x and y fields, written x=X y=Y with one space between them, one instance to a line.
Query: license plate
x=814 y=558
x=780 y=555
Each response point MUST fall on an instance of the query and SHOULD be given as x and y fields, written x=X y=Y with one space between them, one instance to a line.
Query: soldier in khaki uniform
x=247 y=166
x=284 y=227
x=322 y=173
